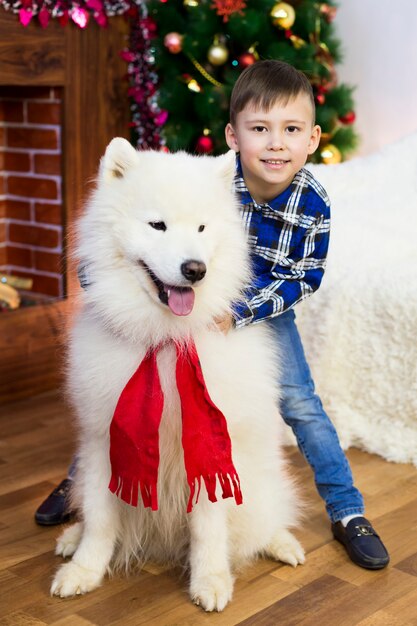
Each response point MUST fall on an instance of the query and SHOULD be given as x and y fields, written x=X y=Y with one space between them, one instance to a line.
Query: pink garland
x=146 y=116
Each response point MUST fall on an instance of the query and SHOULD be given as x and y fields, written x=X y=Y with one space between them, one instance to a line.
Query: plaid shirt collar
x=277 y=204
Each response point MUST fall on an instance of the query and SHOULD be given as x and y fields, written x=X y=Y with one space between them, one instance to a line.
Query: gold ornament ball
x=330 y=154
x=283 y=15
x=217 y=54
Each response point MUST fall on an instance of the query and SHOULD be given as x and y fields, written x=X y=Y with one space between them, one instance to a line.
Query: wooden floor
x=35 y=446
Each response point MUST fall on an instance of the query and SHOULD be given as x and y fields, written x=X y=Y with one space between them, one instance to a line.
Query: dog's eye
x=201 y=228
x=158 y=225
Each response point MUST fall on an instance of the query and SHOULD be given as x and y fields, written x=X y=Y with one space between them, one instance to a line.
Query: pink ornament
x=43 y=17
x=25 y=16
x=101 y=19
x=173 y=42
x=328 y=11
x=79 y=16
x=161 y=118
x=127 y=56
x=95 y=5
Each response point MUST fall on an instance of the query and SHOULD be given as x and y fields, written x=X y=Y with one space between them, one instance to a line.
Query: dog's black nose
x=193 y=270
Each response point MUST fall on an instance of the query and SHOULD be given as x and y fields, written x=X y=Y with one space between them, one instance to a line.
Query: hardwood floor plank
x=73 y=620
x=386 y=587
x=405 y=609
x=381 y=618
x=32 y=493
x=51 y=609
x=409 y=565
x=20 y=618
x=306 y=601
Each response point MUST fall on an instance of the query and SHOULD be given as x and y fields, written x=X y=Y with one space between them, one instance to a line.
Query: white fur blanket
x=360 y=329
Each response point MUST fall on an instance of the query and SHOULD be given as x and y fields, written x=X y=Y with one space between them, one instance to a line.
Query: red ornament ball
x=173 y=42
x=204 y=144
x=246 y=59
x=320 y=98
x=349 y=118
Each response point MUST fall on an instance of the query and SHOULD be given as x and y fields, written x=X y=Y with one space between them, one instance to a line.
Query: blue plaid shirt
x=289 y=239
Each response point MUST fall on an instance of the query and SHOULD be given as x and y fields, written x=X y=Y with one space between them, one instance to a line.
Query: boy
x=286 y=213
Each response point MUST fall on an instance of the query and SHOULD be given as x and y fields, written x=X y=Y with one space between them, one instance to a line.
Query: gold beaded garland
x=203 y=72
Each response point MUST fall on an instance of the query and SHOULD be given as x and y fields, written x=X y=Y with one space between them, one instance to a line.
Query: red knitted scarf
x=134 y=438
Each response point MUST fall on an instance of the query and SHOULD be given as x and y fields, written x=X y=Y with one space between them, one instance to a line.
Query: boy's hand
x=224 y=323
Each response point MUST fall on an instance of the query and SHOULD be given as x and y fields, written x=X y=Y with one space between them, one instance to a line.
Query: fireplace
x=31 y=202
x=64 y=85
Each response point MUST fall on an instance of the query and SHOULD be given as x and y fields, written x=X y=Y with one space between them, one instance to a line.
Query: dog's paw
x=72 y=579
x=68 y=541
x=286 y=548
x=213 y=591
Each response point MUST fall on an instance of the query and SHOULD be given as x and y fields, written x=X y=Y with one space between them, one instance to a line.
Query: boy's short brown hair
x=266 y=82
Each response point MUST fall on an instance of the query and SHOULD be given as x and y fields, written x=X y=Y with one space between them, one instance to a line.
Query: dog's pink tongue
x=181 y=300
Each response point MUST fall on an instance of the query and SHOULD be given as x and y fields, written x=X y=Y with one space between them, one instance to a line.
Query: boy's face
x=273 y=144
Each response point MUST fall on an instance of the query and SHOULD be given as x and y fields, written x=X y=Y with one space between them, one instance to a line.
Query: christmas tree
x=185 y=56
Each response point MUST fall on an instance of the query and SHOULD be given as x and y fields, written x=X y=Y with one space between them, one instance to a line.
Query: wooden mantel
x=87 y=65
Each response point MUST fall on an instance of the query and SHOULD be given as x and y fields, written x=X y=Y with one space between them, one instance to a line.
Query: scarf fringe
x=229 y=483
x=128 y=490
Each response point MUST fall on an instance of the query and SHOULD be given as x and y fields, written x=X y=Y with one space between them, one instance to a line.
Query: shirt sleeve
x=289 y=281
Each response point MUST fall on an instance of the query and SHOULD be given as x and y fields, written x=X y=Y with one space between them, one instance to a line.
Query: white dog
x=167 y=255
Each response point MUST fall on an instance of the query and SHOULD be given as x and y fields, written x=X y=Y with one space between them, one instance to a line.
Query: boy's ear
x=314 y=139
x=231 y=138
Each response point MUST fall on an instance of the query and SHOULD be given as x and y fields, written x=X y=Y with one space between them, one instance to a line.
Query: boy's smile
x=273 y=144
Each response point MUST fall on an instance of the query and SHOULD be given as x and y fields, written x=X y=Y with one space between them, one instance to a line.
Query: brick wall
x=31 y=224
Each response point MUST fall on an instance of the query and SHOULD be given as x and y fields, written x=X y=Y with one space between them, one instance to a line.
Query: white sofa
x=360 y=328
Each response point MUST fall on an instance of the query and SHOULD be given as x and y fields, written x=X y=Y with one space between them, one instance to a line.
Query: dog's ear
x=119 y=157
x=227 y=167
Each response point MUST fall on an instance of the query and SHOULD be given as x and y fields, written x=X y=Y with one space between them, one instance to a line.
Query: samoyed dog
x=179 y=456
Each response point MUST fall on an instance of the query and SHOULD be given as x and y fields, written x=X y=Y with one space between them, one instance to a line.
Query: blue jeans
x=301 y=408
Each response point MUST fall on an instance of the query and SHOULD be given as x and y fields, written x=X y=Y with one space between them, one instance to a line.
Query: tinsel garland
x=146 y=116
